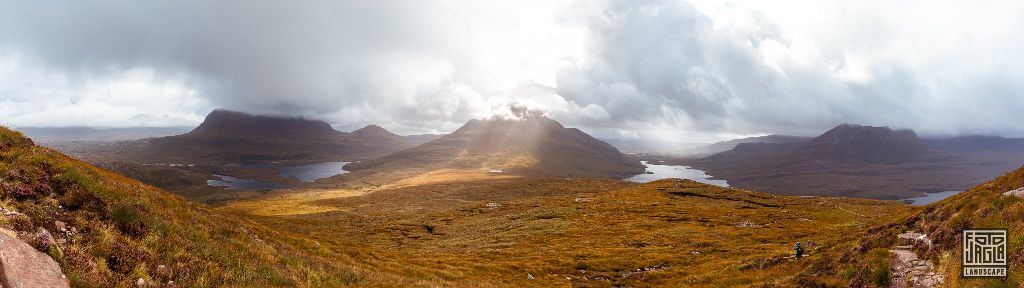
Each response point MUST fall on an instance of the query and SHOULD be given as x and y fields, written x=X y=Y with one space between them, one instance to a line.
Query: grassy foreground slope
x=498 y=231
x=110 y=230
x=861 y=260
x=984 y=206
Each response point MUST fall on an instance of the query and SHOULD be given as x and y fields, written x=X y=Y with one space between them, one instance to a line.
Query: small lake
x=659 y=172
x=243 y=184
x=313 y=172
x=930 y=198
x=305 y=173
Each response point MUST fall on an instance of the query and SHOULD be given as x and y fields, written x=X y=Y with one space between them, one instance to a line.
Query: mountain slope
x=106 y=230
x=532 y=145
x=854 y=161
x=865 y=144
x=984 y=206
x=977 y=144
x=234 y=136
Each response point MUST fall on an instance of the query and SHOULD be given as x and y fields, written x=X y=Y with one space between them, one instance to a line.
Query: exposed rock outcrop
x=23 y=266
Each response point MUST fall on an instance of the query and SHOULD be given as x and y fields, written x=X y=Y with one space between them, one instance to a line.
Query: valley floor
x=471 y=229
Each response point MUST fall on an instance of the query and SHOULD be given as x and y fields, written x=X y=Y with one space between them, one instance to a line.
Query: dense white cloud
x=656 y=68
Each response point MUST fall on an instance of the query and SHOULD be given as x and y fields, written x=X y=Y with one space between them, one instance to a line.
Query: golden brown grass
x=124 y=229
x=575 y=232
x=983 y=206
x=446 y=228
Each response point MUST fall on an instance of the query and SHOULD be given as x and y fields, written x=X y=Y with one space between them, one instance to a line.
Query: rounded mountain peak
x=374 y=131
x=227 y=122
x=867 y=143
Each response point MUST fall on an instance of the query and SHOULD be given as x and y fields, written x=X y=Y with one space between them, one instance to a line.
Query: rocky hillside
x=996 y=204
x=531 y=145
x=937 y=228
x=105 y=230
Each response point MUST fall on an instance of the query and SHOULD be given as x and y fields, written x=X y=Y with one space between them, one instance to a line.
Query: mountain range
x=229 y=136
x=60 y=134
x=864 y=161
x=533 y=145
x=723 y=146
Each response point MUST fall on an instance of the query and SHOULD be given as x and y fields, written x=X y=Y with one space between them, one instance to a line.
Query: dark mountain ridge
x=533 y=144
x=222 y=122
x=864 y=161
x=723 y=146
x=229 y=136
x=849 y=142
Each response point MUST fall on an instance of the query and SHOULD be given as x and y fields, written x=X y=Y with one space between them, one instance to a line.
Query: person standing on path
x=799 y=250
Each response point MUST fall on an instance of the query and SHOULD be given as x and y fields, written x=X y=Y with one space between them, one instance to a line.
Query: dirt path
x=909 y=271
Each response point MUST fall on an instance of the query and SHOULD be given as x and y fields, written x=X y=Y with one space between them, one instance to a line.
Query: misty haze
x=565 y=143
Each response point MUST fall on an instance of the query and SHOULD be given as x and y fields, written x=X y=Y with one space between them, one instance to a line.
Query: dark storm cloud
x=612 y=66
x=247 y=54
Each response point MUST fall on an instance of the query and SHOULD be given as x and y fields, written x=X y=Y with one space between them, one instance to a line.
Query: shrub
x=129 y=220
x=124 y=257
x=881 y=276
x=878 y=262
x=77 y=198
x=21 y=222
x=12 y=139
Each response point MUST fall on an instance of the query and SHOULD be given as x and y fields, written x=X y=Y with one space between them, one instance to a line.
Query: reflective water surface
x=313 y=172
x=243 y=184
x=658 y=172
x=930 y=198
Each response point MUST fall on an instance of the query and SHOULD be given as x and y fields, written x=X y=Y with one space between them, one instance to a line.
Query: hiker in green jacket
x=799 y=250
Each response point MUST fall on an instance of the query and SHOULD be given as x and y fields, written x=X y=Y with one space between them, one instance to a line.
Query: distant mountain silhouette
x=235 y=136
x=974 y=144
x=845 y=143
x=220 y=123
x=849 y=142
x=864 y=161
x=532 y=144
x=56 y=134
x=723 y=146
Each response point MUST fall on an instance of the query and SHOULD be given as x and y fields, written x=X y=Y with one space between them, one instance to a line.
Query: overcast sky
x=694 y=71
